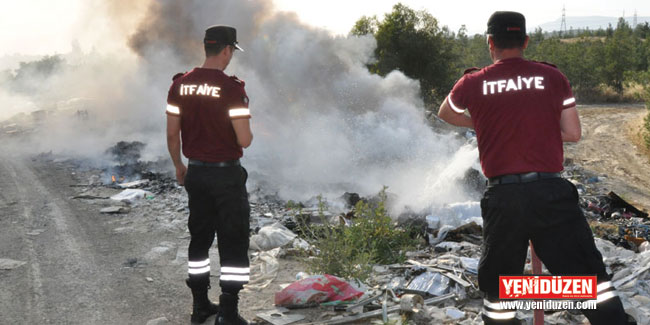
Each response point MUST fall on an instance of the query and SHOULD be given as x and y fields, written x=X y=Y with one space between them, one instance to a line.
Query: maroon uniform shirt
x=516 y=107
x=207 y=100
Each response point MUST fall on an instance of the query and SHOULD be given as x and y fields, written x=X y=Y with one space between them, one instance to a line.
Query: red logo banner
x=547 y=287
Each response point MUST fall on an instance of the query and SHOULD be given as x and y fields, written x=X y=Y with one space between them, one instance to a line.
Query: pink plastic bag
x=317 y=289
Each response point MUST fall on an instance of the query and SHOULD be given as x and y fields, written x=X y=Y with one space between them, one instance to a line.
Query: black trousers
x=218 y=204
x=547 y=213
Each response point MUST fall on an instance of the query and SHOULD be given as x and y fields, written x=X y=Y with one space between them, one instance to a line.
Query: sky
x=39 y=27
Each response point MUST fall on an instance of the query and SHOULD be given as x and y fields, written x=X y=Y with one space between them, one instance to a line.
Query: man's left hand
x=180 y=174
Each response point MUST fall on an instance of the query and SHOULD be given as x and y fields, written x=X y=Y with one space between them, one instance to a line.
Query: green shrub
x=350 y=251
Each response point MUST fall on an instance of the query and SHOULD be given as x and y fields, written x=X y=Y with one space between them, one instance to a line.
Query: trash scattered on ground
x=270 y=237
x=159 y=321
x=133 y=184
x=442 y=270
x=114 y=209
x=317 y=289
x=264 y=269
x=280 y=316
x=131 y=195
x=9 y=264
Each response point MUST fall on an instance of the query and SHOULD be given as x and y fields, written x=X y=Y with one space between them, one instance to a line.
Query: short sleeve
x=567 y=98
x=239 y=105
x=173 y=102
x=458 y=98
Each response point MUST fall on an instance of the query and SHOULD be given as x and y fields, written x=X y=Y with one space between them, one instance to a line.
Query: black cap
x=219 y=34
x=506 y=23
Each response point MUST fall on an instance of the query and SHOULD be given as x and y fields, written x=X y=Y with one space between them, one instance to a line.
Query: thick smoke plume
x=322 y=123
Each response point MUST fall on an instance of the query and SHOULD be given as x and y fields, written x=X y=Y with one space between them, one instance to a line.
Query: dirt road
x=74 y=271
x=607 y=148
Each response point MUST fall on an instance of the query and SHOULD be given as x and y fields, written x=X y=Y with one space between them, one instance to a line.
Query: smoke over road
x=322 y=122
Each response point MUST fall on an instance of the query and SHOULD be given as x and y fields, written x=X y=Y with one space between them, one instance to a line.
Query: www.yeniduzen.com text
x=547 y=304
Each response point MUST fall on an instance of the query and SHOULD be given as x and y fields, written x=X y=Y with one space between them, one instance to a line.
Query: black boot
x=228 y=313
x=202 y=307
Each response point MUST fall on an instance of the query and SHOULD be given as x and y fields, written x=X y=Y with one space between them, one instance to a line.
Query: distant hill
x=592 y=22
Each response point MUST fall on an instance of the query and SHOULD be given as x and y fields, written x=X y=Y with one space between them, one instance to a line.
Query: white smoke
x=322 y=123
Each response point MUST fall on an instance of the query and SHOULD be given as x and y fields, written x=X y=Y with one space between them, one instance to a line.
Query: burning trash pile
x=357 y=264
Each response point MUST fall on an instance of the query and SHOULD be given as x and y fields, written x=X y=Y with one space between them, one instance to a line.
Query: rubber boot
x=228 y=313
x=202 y=307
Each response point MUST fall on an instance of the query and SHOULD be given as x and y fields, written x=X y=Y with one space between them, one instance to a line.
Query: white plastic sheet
x=131 y=195
x=270 y=237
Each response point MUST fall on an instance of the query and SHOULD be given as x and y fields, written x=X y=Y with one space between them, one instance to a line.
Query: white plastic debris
x=454 y=313
x=264 y=269
x=9 y=264
x=432 y=283
x=133 y=184
x=302 y=275
x=458 y=214
x=469 y=264
x=114 y=210
x=449 y=246
x=300 y=243
x=433 y=222
x=158 y=321
x=612 y=252
x=270 y=237
x=131 y=195
x=442 y=233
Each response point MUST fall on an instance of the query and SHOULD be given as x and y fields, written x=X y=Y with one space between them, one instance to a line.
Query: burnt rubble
x=438 y=283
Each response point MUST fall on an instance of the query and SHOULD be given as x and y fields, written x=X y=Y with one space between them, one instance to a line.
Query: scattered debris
x=131 y=195
x=90 y=197
x=115 y=210
x=445 y=269
x=351 y=319
x=9 y=264
x=269 y=237
x=159 y=321
x=35 y=232
x=317 y=289
x=280 y=316
x=264 y=269
x=454 y=313
x=133 y=184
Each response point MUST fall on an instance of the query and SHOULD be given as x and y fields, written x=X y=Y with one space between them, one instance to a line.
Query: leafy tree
x=642 y=31
x=620 y=55
x=365 y=25
x=412 y=42
x=29 y=72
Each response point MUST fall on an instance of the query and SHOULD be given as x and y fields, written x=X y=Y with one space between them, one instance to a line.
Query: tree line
x=602 y=65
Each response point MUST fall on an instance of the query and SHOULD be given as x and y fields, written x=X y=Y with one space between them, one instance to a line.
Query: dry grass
x=587 y=38
x=635 y=134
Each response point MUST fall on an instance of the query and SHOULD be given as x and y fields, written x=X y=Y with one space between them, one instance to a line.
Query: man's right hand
x=180 y=174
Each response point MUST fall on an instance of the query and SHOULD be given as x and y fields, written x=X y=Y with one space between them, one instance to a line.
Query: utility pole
x=563 y=24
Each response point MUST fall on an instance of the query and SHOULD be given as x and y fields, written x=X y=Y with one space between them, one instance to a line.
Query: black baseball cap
x=220 y=34
x=507 y=23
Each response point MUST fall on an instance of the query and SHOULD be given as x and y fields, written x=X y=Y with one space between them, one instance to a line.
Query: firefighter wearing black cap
x=522 y=112
x=208 y=111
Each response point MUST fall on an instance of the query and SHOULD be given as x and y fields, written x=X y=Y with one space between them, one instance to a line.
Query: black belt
x=521 y=178
x=229 y=163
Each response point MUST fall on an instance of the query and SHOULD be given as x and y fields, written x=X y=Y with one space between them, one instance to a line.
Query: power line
x=563 y=24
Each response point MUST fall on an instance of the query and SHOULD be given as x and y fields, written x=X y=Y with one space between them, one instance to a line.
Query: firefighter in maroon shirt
x=208 y=111
x=522 y=112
